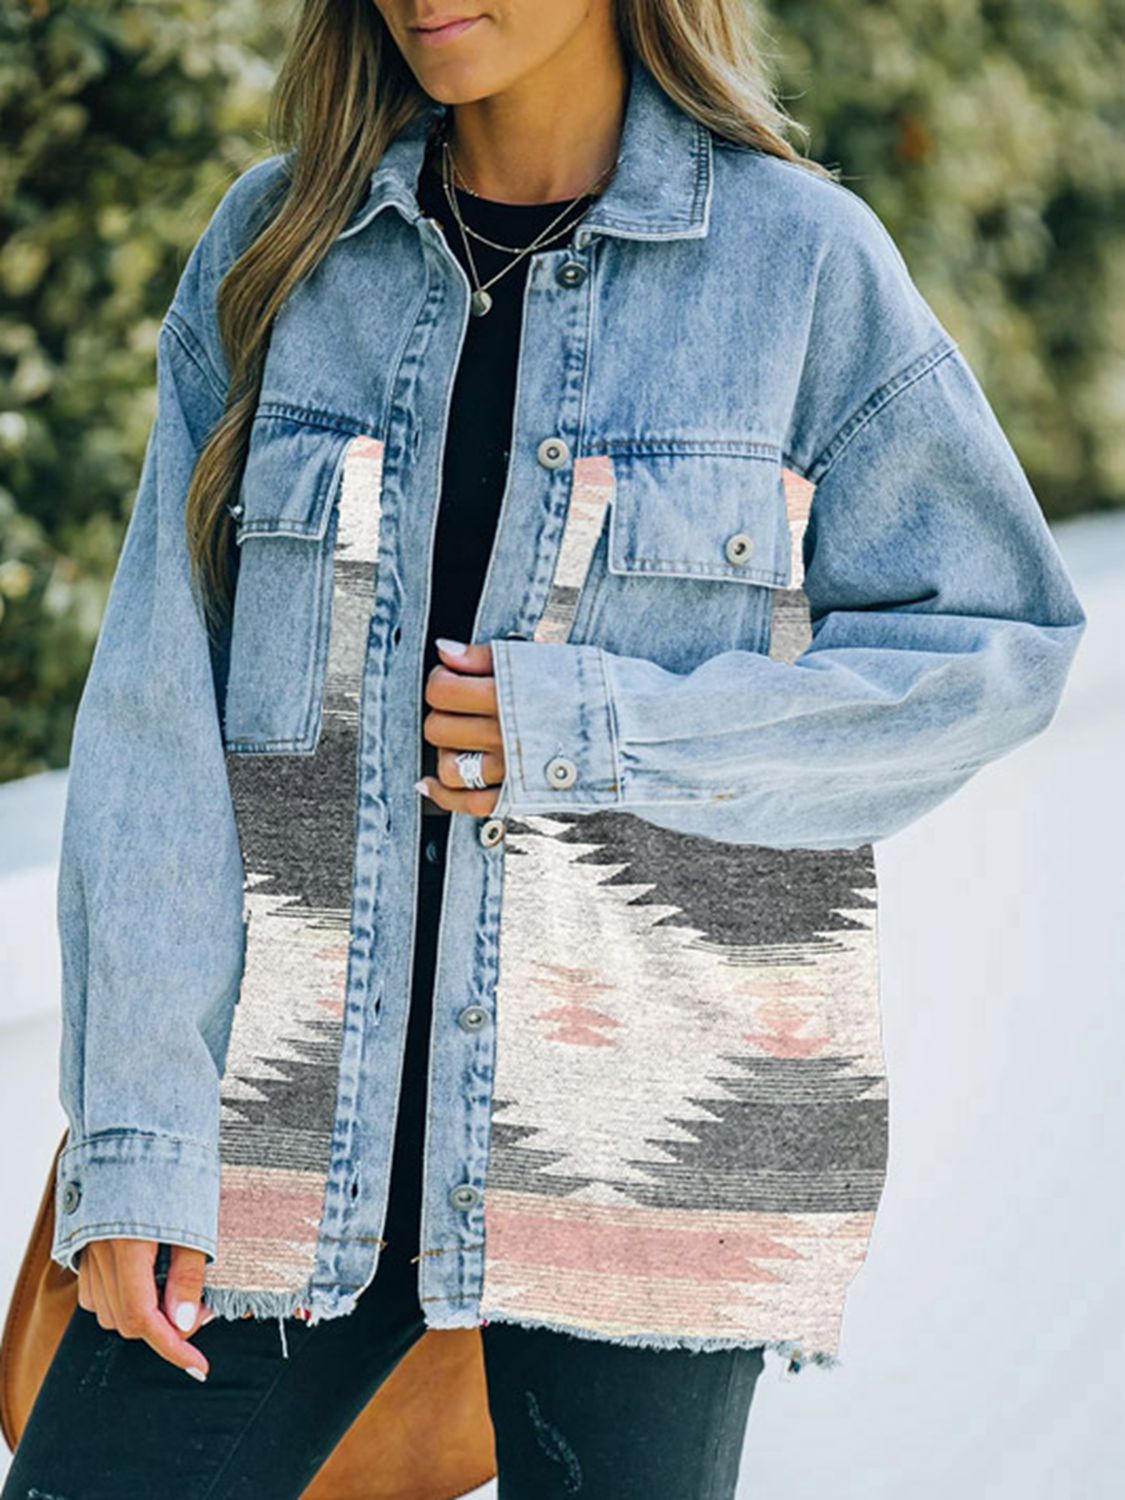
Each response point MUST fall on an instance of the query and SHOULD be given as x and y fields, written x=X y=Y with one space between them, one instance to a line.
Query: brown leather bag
x=426 y=1434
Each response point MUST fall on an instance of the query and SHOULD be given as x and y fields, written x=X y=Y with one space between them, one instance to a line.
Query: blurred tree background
x=985 y=133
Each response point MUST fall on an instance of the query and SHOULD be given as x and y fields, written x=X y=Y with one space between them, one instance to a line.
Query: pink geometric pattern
x=689 y=1126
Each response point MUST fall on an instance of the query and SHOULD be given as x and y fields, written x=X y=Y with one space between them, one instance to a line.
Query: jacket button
x=472 y=1018
x=571 y=273
x=561 y=773
x=491 y=832
x=71 y=1197
x=739 y=547
x=464 y=1197
x=552 y=453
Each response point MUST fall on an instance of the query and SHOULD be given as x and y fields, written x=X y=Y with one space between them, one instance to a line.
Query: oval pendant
x=481 y=302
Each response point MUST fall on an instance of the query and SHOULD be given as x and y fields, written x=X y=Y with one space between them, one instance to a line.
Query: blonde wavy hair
x=343 y=93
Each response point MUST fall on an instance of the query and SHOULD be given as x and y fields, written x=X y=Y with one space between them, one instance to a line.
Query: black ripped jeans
x=572 y=1416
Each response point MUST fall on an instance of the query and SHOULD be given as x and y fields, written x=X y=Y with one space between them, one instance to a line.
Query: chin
x=464 y=80
x=461 y=86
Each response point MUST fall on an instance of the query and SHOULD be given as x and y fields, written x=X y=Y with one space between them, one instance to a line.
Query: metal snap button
x=236 y=509
x=739 y=547
x=561 y=773
x=71 y=1196
x=491 y=832
x=464 y=1197
x=552 y=453
x=472 y=1018
x=571 y=273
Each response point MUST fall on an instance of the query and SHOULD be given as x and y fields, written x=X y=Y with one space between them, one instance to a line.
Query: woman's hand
x=462 y=699
x=117 y=1282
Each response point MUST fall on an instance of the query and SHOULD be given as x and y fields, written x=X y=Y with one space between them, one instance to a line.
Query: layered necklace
x=451 y=178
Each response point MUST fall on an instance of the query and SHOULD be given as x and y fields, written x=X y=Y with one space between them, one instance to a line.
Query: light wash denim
x=720 y=316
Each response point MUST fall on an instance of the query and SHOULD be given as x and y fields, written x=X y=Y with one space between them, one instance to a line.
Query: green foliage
x=986 y=135
x=126 y=124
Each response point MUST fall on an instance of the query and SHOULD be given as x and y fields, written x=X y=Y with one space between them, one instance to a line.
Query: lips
x=434 y=33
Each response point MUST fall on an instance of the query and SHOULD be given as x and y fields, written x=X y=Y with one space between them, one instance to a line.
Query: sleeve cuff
x=128 y=1185
x=556 y=722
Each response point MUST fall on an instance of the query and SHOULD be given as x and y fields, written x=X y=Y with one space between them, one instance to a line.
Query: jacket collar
x=660 y=191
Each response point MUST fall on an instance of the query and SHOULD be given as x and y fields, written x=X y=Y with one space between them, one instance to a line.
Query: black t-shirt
x=474 y=470
x=478 y=438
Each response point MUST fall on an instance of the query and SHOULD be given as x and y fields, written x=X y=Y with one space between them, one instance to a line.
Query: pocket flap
x=291 y=473
x=702 y=513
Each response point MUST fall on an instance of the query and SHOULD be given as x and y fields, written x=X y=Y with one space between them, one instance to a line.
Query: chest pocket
x=672 y=551
x=307 y=535
x=699 y=513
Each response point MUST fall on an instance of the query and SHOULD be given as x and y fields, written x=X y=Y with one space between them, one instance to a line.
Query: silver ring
x=470 y=767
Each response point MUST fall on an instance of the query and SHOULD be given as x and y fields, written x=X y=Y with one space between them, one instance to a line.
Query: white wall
x=984 y=1337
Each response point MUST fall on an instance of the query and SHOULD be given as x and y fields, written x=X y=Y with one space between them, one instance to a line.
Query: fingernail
x=420 y=786
x=195 y=1372
x=454 y=648
x=185 y=1315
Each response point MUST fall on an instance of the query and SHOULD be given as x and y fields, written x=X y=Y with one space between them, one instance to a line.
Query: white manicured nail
x=452 y=648
x=195 y=1372
x=420 y=786
x=185 y=1315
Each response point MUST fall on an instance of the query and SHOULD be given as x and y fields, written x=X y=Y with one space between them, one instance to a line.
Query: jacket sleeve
x=150 y=876
x=943 y=628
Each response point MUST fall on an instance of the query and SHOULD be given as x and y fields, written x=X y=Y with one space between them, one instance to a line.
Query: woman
x=495 y=408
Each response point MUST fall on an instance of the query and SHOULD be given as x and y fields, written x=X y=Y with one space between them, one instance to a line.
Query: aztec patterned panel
x=279 y=1085
x=690 y=1109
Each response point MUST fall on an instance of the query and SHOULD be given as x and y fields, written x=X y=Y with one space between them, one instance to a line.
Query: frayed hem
x=310 y=1303
x=312 y=1308
x=791 y=1350
x=234 y=1303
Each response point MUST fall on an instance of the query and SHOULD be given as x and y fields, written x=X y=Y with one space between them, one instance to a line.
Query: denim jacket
x=769 y=584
